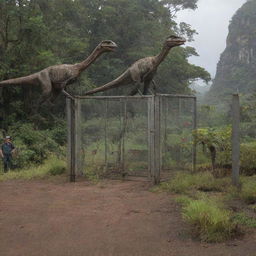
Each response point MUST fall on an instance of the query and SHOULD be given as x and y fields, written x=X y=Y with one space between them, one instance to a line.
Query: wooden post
x=69 y=151
x=119 y=153
x=179 y=110
x=150 y=140
x=157 y=147
x=235 y=139
x=165 y=112
x=194 y=128
x=106 y=135
x=77 y=138
x=124 y=128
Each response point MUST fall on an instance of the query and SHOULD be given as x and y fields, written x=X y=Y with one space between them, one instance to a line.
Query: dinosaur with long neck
x=54 y=79
x=143 y=70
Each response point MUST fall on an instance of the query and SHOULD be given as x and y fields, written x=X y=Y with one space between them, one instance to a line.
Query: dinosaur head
x=107 y=46
x=173 y=41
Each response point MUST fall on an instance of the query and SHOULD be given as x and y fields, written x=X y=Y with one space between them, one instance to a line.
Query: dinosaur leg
x=154 y=86
x=134 y=91
x=54 y=95
x=146 y=86
x=46 y=86
x=44 y=97
x=153 y=91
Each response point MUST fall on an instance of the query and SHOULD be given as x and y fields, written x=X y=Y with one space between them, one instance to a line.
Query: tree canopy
x=35 y=34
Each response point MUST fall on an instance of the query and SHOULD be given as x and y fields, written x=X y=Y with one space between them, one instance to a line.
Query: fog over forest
x=211 y=20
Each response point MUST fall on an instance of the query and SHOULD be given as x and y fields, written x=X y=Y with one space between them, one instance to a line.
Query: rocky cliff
x=236 y=70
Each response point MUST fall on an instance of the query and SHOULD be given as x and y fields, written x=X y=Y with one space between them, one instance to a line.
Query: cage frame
x=73 y=111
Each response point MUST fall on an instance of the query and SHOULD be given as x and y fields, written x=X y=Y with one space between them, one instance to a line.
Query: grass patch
x=52 y=166
x=184 y=182
x=210 y=222
x=247 y=192
x=253 y=207
x=94 y=174
x=243 y=219
x=183 y=200
x=206 y=212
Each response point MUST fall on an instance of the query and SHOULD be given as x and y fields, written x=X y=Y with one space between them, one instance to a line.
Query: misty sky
x=211 y=21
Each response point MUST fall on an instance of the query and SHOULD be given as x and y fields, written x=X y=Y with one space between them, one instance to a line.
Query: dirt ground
x=113 y=218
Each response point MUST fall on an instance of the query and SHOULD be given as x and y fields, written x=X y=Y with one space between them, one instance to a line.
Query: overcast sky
x=211 y=21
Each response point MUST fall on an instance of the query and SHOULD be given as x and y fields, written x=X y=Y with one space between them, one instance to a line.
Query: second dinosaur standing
x=143 y=70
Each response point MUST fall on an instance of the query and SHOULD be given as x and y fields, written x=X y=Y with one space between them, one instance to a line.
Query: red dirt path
x=113 y=218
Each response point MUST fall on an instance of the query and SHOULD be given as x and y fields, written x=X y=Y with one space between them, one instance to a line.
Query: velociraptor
x=54 y=79
x=143 y=70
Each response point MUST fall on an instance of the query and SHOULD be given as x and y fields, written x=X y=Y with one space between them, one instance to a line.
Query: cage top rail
x=134 y=97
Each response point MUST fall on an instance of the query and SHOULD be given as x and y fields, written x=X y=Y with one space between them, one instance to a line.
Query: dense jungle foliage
x=35 y=34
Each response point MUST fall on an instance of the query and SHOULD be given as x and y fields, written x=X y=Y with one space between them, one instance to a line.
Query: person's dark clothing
x=7 y=148
x=7 y=162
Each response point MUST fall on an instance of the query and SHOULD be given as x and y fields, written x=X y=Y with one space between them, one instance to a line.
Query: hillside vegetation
x=237 y=64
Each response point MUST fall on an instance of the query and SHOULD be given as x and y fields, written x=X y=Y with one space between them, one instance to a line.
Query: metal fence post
x=235 y=139
x=154 y=138
x=77 y=138
x=71 y=138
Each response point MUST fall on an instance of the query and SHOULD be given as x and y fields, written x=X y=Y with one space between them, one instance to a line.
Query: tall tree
x=35 y=34
x=140 y=27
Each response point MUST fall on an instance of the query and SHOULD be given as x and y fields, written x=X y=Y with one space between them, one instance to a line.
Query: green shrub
x=59 y=133
x=220 y=139
x=33 y=146
x=51 y=166
x=216 y=144
x=57 y=170
x=247 y=158
x=210 y=222
x=248 y=191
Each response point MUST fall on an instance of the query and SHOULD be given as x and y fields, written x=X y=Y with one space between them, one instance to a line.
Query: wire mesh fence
x=114 y=137
x=130 y=136
x=178 y=120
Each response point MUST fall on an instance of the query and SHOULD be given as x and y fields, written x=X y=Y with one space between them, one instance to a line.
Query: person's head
x=7 y=138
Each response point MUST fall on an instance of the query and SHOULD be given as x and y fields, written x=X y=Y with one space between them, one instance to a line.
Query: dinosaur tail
x=123 y=79
x=31 y=79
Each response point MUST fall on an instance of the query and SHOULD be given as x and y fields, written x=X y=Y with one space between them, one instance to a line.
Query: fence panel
x=138 y=136
x=177 y=123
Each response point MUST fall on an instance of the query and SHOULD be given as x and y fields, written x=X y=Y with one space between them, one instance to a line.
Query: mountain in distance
x=236 y=69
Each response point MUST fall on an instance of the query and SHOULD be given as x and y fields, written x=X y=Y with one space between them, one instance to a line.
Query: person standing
x=6 y=151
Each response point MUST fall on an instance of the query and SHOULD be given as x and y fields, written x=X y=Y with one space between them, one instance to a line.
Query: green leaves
x=220 y=137
x=40 y=33
x=216 y=142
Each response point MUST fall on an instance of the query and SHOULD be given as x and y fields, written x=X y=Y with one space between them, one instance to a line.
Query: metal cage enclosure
x=123 y=136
